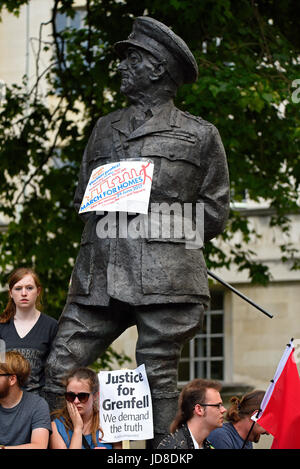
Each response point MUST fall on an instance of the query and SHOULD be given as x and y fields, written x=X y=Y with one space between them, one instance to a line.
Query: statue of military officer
x=157 y=284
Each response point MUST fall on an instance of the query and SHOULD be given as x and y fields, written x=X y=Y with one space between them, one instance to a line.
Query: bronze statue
x=156 y=284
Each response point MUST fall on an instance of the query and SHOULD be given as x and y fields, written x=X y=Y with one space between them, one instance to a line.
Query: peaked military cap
x=160 y=41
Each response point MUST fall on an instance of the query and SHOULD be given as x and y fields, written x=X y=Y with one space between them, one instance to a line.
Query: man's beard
x=4 y=391
x=256 y=437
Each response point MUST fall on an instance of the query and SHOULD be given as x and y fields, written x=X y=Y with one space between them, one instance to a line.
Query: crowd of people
x=199 y=422
x=25 y=420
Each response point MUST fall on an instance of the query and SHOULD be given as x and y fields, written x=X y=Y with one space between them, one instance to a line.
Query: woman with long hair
x=76 y=425
x=24 y=328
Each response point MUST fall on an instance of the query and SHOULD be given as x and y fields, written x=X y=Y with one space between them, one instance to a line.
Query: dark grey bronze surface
x=158 y=285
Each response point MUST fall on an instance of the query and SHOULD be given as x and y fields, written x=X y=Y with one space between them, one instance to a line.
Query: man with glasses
x=200 y=410
x=24 y=416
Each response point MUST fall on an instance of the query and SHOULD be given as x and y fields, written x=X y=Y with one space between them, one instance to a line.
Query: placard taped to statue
x=122 y=186
x=125 y=405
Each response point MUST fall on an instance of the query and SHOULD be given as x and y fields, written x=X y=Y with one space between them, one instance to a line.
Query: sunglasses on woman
x=82 y=396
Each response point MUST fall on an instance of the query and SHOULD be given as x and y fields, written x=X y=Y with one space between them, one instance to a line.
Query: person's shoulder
x=226 y=428
x=4 y=325
x=223 y=437
x=29 y=396
x=48 y=319
x=60 y=423
x=169 y=442
x=34 y=400
x=176 y=440
x=48 y=323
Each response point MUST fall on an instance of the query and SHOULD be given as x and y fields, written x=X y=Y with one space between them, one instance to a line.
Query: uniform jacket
x=189 y=167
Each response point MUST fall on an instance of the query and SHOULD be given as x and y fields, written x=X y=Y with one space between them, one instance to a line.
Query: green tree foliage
x=248 y=57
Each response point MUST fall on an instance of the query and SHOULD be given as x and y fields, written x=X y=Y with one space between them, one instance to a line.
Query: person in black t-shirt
x=24 y=328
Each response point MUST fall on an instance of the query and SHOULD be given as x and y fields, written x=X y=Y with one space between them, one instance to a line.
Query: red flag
x=280 y=408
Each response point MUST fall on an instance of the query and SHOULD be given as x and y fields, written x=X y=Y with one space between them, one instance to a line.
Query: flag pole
x=259 y=411
x=237 y=292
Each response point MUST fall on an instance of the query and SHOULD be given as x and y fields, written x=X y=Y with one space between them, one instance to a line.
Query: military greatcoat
x=189 y=167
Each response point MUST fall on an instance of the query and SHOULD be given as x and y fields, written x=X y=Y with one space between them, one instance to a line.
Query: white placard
x=125 y=405
x=122 y=186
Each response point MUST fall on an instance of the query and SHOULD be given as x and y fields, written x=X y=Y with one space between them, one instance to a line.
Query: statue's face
x=135 y=69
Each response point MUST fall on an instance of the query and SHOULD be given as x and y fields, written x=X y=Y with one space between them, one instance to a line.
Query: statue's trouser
x=85 y=332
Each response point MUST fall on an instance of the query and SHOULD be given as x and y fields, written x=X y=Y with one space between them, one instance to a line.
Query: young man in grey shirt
x=24 y=417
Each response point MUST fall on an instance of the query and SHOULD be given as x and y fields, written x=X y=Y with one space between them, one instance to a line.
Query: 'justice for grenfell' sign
x=125 y=405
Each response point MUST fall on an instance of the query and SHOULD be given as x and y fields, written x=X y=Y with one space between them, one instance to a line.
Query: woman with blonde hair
x=76 y=425
x=24 y=328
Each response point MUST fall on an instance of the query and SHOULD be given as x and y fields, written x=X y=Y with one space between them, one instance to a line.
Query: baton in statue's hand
x=239 y=293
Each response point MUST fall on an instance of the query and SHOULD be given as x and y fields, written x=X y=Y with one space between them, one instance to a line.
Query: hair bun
x=236 y=402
